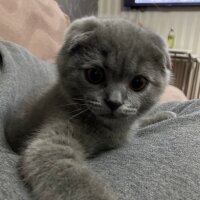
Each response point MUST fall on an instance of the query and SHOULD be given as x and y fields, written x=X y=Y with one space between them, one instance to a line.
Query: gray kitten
x=111 y=72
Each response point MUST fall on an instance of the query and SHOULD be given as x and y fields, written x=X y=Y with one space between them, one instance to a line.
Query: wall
x=78 y=8
x=186 y=23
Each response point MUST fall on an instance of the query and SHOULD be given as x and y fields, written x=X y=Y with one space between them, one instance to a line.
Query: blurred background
x=177 y=21
x=39 y=25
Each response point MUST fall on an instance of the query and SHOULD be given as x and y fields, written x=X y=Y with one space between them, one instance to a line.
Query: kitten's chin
x=114 y=119
x=111 y=116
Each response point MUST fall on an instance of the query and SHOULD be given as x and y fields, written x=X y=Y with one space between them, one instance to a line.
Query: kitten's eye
x=139 y=83
x=95 y=75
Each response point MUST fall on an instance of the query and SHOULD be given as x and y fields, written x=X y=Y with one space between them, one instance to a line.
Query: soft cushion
x=21 y=75
x=172 y=94
x=37 y=25
x=160 y=161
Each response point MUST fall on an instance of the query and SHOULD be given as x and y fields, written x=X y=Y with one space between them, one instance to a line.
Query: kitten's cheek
x=97 y=109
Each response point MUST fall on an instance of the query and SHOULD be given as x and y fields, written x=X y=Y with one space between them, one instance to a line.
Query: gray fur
x=72 y=121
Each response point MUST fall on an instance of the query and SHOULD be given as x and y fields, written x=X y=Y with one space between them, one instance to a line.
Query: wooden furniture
x=186 y=71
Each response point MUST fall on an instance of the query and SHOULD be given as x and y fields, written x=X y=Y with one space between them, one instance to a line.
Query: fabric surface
x=37 y=25
x=160 y=161
x=18 y=72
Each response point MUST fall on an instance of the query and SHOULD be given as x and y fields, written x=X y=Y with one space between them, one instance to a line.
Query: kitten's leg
x=53 y=167
x=157 y=117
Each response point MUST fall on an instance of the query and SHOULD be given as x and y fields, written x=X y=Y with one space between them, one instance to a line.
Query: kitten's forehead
x=117 y=44
x=125 y=45
x=121 y=34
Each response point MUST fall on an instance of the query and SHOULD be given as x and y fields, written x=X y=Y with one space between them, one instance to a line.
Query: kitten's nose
x=113 y=105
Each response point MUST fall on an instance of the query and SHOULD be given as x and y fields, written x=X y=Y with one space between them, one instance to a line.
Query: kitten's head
x=113 y=68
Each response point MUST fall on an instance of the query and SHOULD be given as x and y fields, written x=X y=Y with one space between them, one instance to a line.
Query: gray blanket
x=160 y=161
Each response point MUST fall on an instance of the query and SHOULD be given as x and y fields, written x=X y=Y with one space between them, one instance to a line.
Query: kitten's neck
x=93 y=133
x=102 y=136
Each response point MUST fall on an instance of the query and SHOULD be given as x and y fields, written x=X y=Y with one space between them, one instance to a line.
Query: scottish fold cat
x=111 y=72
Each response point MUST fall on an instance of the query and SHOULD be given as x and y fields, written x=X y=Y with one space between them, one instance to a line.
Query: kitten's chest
x=97 y=139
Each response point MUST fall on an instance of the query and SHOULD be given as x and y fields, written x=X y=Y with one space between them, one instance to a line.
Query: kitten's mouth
x=110 y=116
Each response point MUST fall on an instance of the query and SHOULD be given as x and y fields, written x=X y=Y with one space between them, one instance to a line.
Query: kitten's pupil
x=138 y=83
x=95 y=75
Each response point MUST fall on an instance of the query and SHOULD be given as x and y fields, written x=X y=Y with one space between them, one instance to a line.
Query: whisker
x=76 y=110
x=73 y=104
x=78 y=114
x=78 y=99
x=70 y=104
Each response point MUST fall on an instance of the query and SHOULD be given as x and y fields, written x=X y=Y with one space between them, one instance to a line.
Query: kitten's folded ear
x=159 y=41
x=161 y=45
x=80 y=32
x=161 y=52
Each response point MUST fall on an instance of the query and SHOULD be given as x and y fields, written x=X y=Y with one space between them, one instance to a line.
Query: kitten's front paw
x=158 y=117
x=168 y=115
